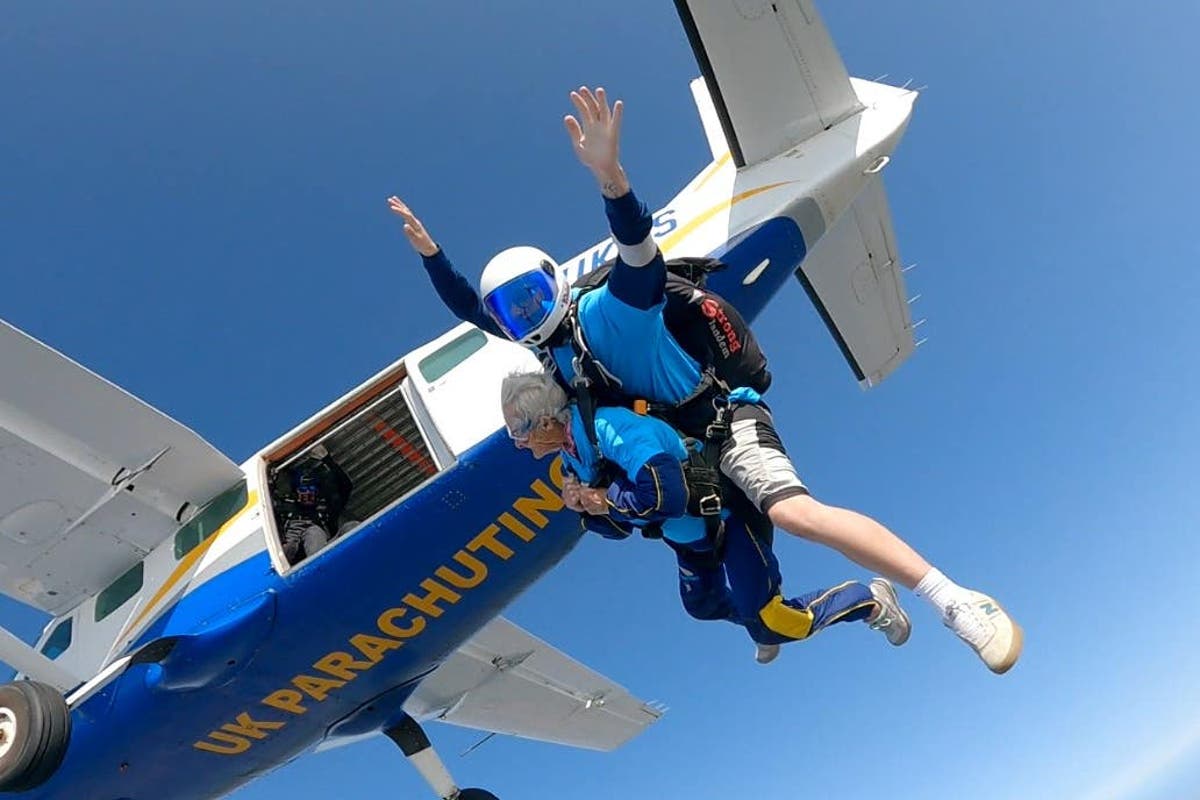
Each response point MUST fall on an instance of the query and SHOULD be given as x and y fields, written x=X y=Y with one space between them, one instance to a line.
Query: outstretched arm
x=455 y=290
x=640 y=275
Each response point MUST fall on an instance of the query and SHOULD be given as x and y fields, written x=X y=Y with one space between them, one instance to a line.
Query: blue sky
x=184 y=183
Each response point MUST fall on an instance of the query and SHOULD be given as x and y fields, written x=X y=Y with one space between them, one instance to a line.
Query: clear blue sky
x=183 y=187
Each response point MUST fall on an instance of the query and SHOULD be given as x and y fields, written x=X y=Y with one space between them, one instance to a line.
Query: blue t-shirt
x=634 y=345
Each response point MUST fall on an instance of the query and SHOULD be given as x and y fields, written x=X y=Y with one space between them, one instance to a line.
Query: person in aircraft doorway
x=525 y=297
x=316 y=492
x=652 y=479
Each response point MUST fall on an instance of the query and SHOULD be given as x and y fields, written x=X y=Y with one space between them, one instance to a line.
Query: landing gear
x=35 y=727
x=407 y=734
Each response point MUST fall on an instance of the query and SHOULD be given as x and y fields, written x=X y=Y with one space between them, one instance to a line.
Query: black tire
x=476 y=794
x=36 y=728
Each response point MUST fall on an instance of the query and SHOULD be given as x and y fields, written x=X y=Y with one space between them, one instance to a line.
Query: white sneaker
x=988 y=629
x=765 y=653
x=891 y=620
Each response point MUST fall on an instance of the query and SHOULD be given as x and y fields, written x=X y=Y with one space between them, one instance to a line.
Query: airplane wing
x=505 y=680
x=773 y=73
x=91 y=478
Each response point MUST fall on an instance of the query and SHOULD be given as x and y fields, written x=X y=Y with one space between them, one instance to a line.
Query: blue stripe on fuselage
x=778 y=240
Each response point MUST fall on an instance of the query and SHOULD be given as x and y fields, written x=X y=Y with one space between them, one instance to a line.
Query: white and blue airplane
x=184 y=642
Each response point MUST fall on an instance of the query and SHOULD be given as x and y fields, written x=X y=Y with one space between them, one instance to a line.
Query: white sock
x=940 y=591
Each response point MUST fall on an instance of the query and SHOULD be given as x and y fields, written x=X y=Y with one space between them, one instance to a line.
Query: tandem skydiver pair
x=613 y=348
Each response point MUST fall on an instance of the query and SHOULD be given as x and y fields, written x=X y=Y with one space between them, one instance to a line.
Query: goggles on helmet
x=306 y=487
x=520 y=305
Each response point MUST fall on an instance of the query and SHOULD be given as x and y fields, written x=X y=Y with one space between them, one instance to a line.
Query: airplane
x=184 y=642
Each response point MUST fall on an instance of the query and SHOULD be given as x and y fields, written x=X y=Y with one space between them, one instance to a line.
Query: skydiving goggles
x=523 y=303
x=521 y=432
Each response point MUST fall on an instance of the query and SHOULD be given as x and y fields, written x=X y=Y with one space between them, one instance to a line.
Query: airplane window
x=222 y=509
x=119 y=591
x=437 y=364
x=59 y=641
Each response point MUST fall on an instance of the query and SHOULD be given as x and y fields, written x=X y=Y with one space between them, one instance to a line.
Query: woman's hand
x=594 y=501
x=570 y=494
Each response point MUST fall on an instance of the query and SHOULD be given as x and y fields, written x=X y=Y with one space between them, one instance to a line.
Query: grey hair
x=529 y=397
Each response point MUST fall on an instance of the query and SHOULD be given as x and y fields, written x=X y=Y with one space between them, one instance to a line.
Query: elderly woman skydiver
x=636 y=476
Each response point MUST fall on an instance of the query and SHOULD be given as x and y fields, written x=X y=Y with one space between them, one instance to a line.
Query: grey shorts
x=754 y=459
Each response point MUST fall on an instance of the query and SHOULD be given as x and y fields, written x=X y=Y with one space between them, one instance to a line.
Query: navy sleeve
x=607 y=527
x=628 y=218
x=641 y=284
x=656 y=493
x=458 y=294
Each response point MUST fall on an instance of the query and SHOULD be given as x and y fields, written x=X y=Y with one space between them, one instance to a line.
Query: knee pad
x=795 y=623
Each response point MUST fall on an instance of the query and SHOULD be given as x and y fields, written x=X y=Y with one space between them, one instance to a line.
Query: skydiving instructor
x=525 y=297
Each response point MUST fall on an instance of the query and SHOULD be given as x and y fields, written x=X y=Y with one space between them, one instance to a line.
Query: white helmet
x=524 y=293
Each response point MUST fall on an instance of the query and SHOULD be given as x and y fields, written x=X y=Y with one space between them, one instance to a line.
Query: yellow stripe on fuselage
x=704 y=216
x=187 y=562
x=713 y=170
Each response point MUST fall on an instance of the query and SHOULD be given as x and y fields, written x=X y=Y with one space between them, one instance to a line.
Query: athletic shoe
x=988 y=629
x=766 y=653
x=891 y=620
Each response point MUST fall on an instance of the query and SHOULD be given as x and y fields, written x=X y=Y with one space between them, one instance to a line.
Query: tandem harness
x=707 y=327
x=707 y=409
x=712 y=332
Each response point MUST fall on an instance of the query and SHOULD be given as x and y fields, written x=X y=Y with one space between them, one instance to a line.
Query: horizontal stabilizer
x=853 y=277
x=505 y=680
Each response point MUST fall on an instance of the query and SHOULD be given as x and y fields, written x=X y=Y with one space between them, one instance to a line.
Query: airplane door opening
x=345 y=467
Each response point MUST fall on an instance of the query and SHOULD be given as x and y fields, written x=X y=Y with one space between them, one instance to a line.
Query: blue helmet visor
x=520 y=305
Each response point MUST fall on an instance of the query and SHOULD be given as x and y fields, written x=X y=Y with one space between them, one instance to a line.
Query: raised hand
x=596 y=138
x=417 y=236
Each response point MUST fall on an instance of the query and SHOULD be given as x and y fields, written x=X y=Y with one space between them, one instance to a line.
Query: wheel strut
x=412 y=741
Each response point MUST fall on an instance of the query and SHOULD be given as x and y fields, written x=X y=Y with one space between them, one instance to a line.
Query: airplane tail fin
x=771 y=81
x=709 y=119
x=852 y=274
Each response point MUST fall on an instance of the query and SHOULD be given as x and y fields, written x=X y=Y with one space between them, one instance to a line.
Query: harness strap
x=589 y=375
x=702 y=413
x=704 y=494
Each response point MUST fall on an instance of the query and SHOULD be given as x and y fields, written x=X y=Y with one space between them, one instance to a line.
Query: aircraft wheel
x=476 y=794
x=35 y=727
